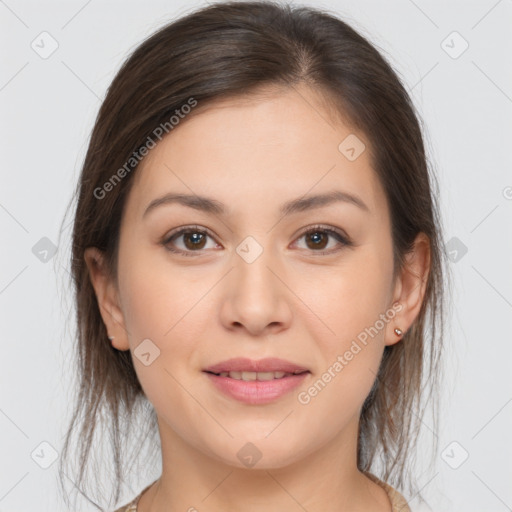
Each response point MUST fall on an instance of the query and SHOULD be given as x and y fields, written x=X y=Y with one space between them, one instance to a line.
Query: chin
x=258 y=454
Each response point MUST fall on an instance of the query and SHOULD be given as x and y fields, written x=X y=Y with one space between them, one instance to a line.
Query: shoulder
x=398 y=502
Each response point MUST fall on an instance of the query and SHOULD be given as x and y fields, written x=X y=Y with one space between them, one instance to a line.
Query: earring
x=111 y=338
x=398 y=331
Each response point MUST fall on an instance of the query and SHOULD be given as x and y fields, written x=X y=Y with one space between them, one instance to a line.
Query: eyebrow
x=209 y=205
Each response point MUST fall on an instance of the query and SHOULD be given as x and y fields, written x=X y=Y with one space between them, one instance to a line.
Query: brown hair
x=232 y=49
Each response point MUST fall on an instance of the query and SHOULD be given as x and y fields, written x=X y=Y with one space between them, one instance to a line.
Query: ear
x=107 y=296
x=410 y=286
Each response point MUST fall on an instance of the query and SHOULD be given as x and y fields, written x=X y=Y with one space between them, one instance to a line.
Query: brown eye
x=317 y=239
x=192 y=240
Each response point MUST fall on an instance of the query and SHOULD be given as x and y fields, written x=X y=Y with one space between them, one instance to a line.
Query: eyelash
x=344 y=240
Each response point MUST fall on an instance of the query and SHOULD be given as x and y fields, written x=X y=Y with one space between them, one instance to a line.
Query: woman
x=256 y=254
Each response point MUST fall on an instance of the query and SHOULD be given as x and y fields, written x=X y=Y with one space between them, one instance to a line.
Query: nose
x=256 y=297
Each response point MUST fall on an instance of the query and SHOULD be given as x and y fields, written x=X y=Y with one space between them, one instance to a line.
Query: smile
x=262 y=376
x=256 y=388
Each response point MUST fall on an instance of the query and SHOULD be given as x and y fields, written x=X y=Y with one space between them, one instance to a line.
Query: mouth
x=249 y=366
x=248 y=376
x=256 y=382
x=256 y=388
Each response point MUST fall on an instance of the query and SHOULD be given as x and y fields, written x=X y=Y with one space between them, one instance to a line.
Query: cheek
x=351 y=317
x=169 y=306
x=163 y=307
x=344 y=300
x=158 y=298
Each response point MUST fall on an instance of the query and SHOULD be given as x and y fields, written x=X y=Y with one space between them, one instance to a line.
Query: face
x=310 y=284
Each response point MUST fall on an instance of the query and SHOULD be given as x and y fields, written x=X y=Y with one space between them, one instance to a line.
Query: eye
x=193 y=239
x=317 y=239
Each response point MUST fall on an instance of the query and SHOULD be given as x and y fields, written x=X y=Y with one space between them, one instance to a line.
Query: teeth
x=248 y=376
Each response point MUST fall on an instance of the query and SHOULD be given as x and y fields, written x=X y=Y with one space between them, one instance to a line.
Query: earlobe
x=410 y=288
x=107 y=298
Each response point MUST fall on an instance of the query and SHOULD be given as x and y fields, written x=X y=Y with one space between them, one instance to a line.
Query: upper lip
x=243 y=364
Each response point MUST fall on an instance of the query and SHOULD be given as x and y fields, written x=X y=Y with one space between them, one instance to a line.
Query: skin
x=253 y=154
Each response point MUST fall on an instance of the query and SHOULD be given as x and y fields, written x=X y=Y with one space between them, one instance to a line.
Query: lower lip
x=256 y=391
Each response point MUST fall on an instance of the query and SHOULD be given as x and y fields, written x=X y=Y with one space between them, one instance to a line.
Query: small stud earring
x=111 y=338
x=398 y=331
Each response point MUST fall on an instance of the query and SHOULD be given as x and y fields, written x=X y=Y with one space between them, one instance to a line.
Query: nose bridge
x=252 y=270
x=256 y=297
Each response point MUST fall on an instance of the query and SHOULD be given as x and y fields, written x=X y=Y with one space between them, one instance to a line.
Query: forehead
x=276 y=144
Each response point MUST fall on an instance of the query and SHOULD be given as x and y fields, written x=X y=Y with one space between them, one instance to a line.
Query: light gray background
x=48 y=106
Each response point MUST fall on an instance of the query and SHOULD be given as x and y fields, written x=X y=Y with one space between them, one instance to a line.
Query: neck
x=326 y=479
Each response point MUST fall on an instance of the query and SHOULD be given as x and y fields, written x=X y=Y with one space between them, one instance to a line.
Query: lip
x=243 y=364
x=256 y=392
